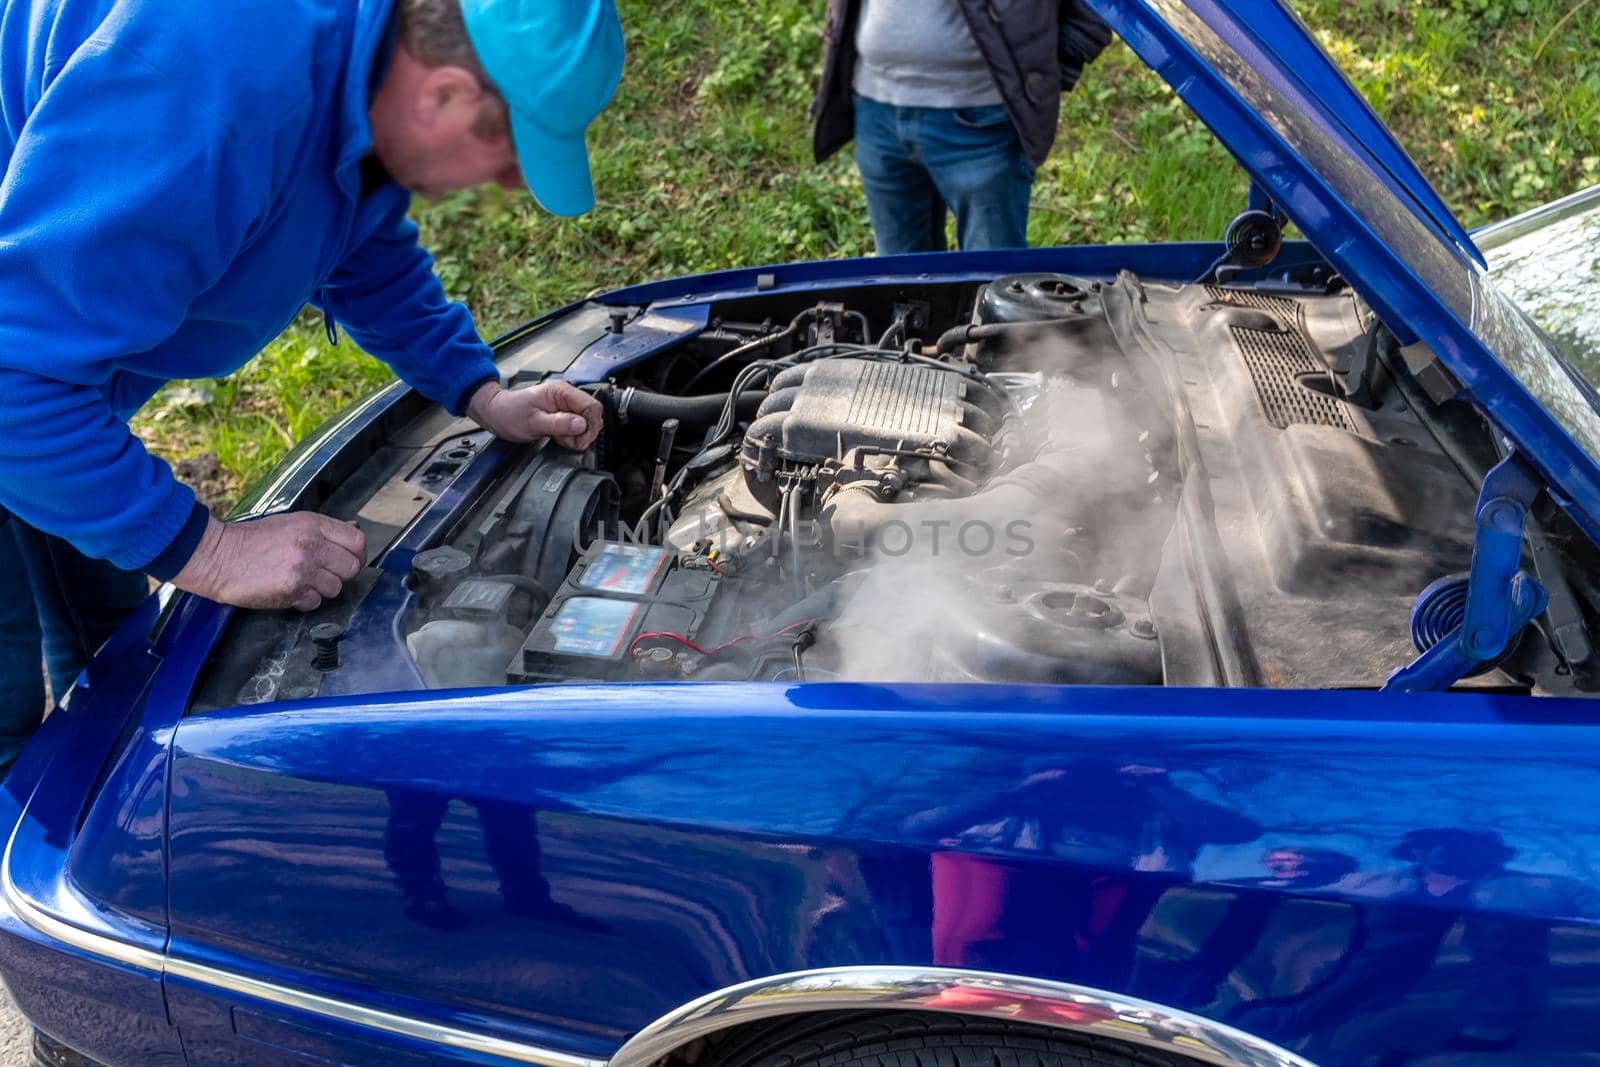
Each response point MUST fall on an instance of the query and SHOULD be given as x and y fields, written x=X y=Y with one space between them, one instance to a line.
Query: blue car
x=1158 y=654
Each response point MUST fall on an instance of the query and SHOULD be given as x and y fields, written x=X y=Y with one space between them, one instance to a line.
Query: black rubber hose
x=608 y=426
x=642 y=405
x=955 y=338
x=755 y=346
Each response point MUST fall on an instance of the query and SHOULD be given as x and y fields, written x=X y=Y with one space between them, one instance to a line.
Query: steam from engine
x=983 y=506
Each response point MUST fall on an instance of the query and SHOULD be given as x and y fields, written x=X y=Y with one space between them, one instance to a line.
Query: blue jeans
x=917 y=161
x=57 y=606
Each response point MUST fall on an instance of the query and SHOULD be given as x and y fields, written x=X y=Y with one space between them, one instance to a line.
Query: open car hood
x=1251 y=71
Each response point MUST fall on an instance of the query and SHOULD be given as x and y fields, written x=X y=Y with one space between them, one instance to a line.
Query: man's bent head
x=499 y=91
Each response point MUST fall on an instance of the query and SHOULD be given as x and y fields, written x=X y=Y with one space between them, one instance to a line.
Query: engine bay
x=1042 y=479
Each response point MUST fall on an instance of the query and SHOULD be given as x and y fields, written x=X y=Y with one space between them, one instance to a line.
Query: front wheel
x=929 y=1039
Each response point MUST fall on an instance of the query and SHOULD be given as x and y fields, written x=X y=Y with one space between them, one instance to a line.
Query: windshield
x=1548 y=262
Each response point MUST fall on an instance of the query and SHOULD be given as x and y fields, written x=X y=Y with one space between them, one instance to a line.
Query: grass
x=704 y=161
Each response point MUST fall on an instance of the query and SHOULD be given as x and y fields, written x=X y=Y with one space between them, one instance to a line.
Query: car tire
x=928 y=1039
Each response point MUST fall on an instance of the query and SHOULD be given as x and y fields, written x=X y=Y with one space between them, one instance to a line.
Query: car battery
x=616 y=592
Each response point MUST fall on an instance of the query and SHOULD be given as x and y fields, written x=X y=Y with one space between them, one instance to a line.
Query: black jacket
x=1036 y=49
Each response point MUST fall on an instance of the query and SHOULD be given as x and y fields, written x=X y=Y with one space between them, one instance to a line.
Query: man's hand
x=294 y=560
x=558 y=410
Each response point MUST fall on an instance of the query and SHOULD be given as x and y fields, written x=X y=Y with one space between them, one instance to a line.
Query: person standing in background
x=953 y=105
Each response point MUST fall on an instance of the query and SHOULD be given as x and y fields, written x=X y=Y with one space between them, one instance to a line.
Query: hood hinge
x=1462 y=625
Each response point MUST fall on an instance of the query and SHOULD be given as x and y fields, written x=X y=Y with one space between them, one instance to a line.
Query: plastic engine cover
x=825 y=410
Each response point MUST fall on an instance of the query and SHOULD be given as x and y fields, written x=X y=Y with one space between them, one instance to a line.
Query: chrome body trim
x=1059 y=1005
x=160 y=965
x=374 y=1018
x=87 y=941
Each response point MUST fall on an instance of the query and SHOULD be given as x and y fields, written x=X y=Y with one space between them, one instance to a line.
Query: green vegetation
x=704 y=162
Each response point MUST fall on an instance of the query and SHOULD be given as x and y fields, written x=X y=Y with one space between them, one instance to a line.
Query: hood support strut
x=1462 y=626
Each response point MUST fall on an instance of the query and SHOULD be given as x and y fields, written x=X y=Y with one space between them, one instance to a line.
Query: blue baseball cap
x=556 y=63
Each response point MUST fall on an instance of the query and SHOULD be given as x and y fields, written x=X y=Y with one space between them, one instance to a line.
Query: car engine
x=782 y=547
x=1043 y=479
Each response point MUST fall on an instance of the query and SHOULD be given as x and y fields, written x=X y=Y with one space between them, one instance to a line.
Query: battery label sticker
x=627 y=569
x=590 y=626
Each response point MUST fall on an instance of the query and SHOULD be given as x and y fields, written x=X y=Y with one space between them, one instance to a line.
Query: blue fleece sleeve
x=386 y=295
x=107 y=233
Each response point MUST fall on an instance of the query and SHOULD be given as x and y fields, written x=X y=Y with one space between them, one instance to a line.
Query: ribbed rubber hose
x=642 y=405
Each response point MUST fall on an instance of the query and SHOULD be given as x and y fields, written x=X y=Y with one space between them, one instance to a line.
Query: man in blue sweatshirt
x=179 y=181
